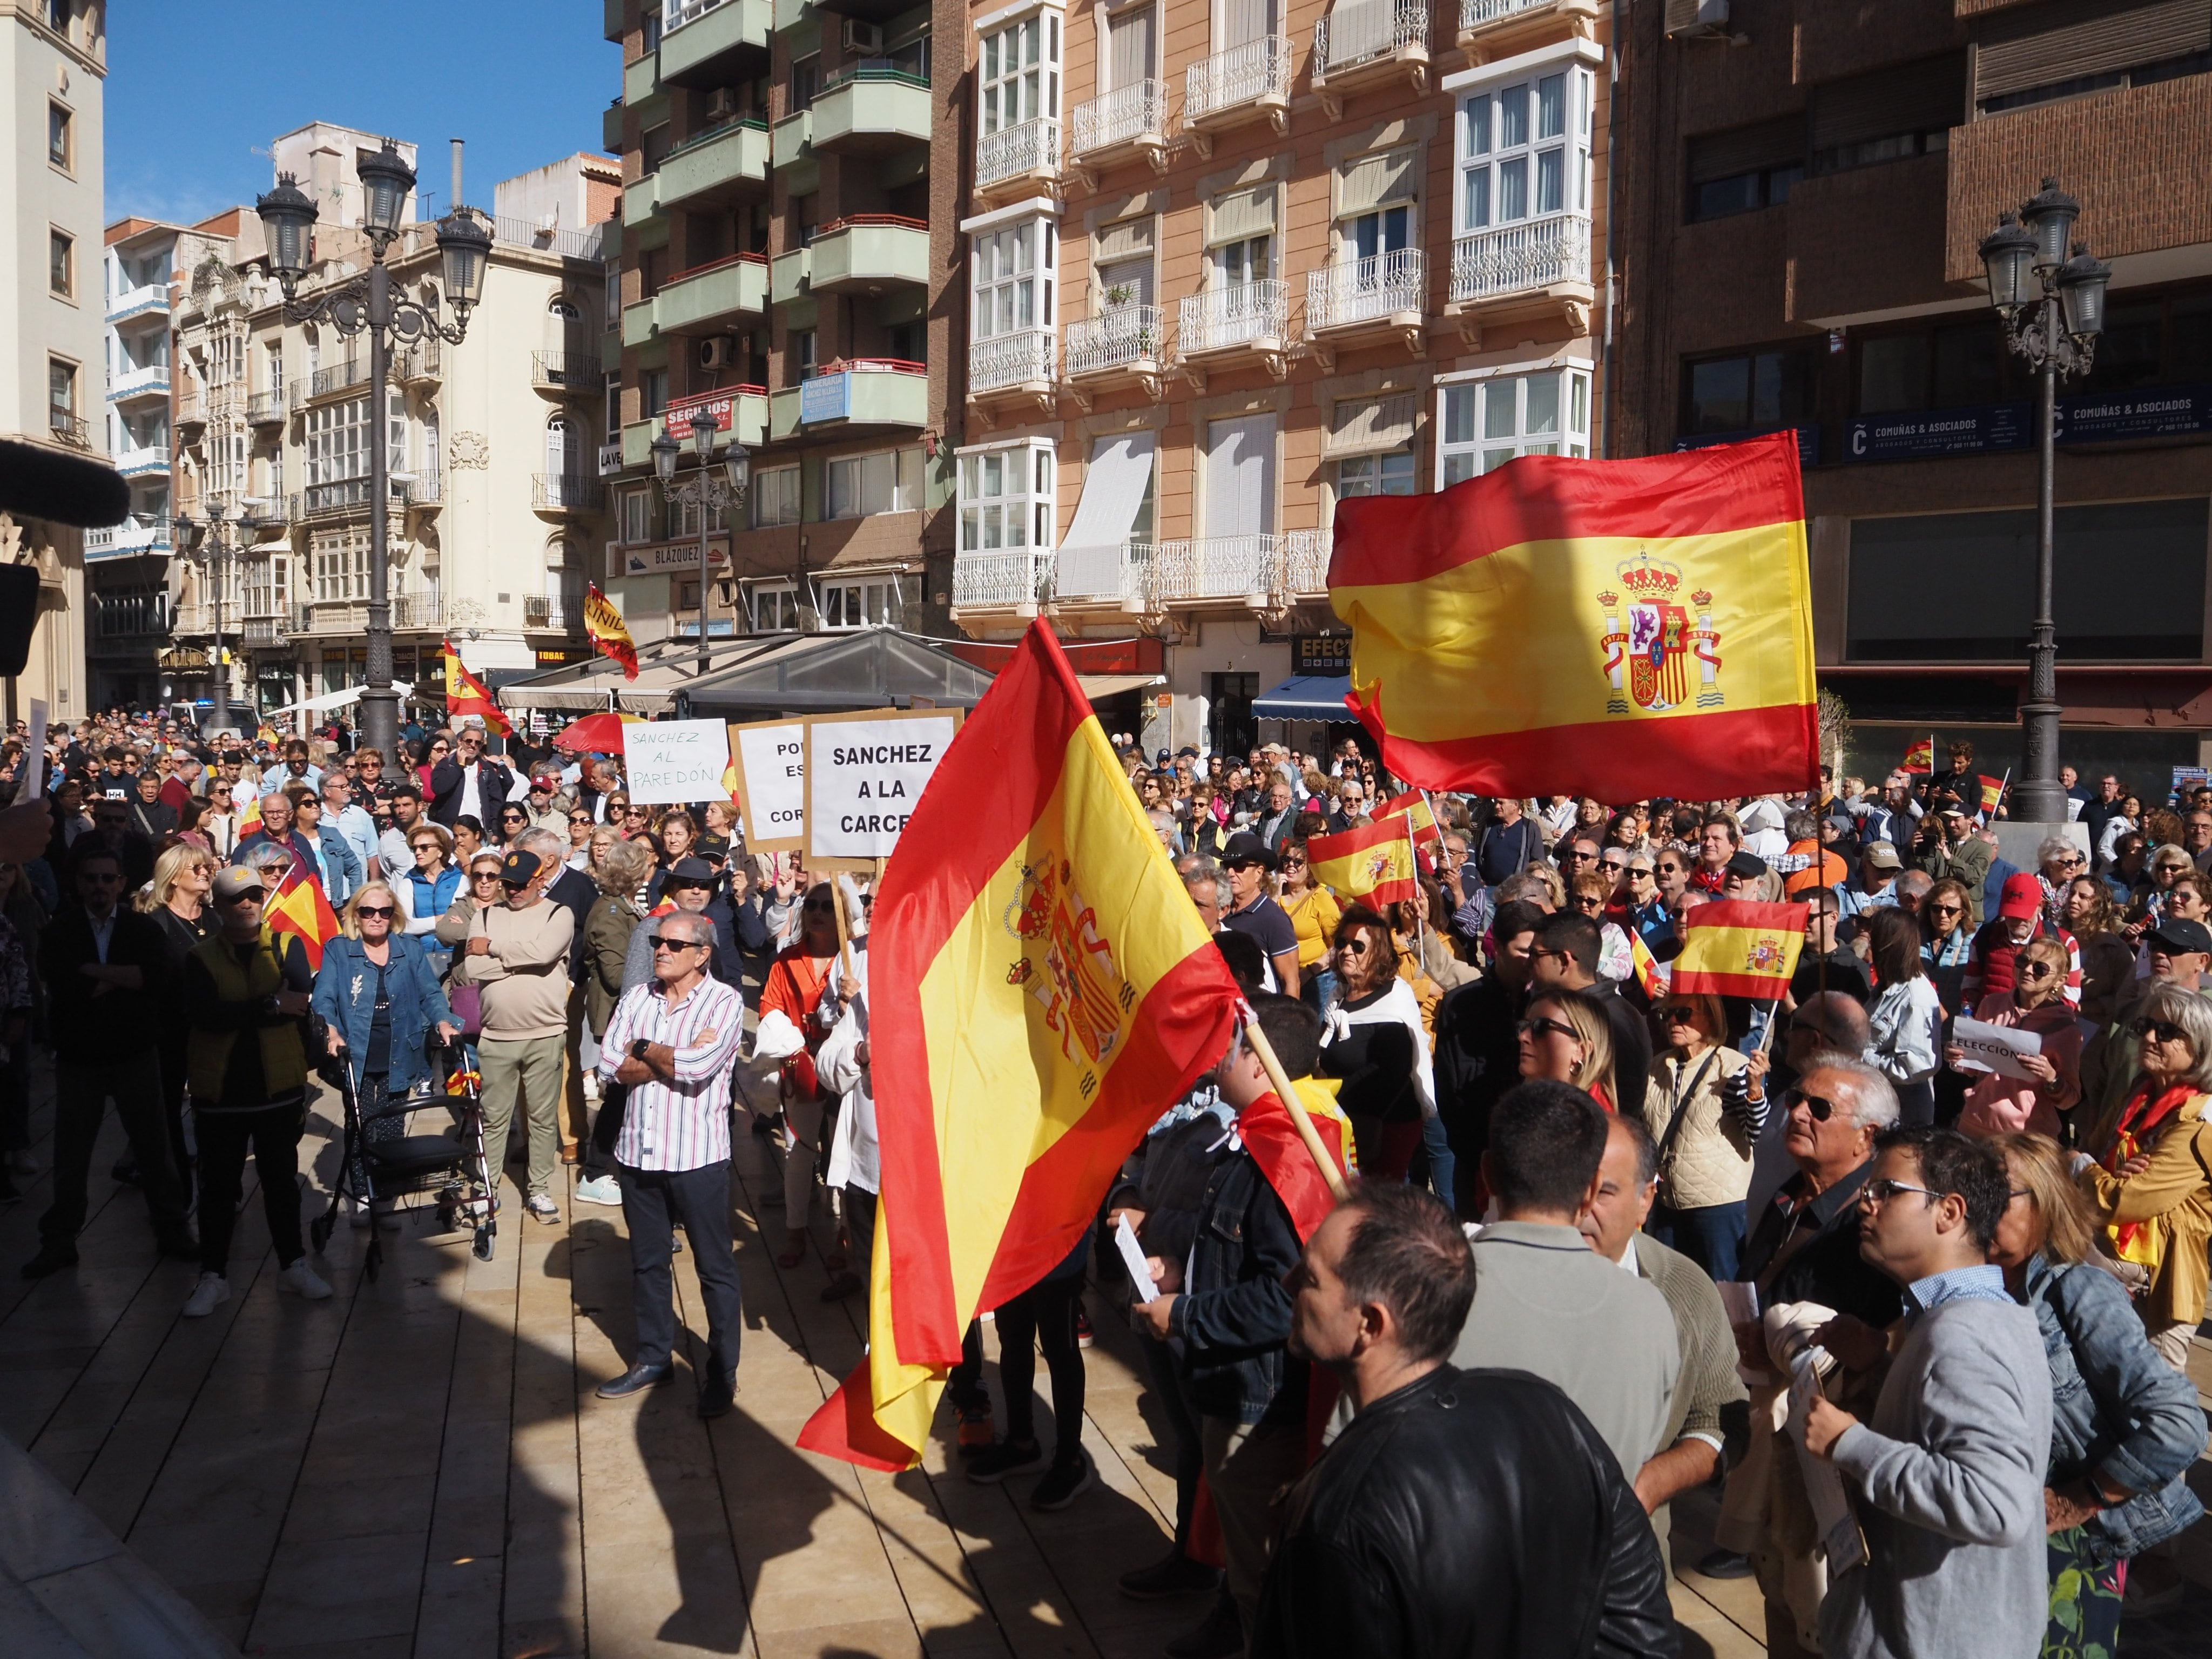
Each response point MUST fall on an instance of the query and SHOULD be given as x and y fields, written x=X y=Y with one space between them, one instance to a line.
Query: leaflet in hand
x=1995 y=1047
x=1132 y=1258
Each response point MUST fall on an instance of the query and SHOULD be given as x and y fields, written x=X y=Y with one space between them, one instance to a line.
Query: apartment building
x=789 y=267
x=1229 y=266
x=495 y=505
x=53 y=383
x=1801 y=201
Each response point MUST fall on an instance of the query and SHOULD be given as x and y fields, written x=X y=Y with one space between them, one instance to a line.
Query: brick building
x=1801 y=199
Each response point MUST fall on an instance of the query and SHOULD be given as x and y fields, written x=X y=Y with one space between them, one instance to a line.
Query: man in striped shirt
x=673 y=1041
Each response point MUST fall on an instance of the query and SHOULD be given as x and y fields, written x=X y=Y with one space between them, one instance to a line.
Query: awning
x=1095 y=686
x=836 y=673
x=1305 y=697
x=665 y=667
x=344 y=699
x=1113 y=492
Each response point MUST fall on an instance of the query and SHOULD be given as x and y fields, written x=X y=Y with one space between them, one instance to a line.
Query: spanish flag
x=298 y=906
x=467 y=695
x=1043 y=987
x=1992 y=791
x=1615 y=629
x=1649 y=974
x=1413 y=806
x=609 y=634
x=1370 y=862
x=1281 y=1152
x=1732 y=949
x=1921 y=757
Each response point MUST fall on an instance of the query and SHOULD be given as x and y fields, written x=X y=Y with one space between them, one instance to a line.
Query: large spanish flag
x=467 y=695
x=1040 y=989
x=1370 y=861
x=1733 y=949
x=1615 y=629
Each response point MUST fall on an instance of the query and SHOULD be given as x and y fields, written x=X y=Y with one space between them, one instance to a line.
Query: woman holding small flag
x=1705 y=1104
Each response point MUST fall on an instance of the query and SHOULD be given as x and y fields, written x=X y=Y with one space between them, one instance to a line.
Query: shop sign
x=1920 y=434
x=670 y=558
x=1321 y=653
x=676 y=420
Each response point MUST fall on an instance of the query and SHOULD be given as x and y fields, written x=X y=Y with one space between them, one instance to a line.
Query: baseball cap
x=1749 y=866
x=236 y=881
x=1882 y=855
x=2023 y=897
x=2180 y=936
x=520 y=869
x=713 y=846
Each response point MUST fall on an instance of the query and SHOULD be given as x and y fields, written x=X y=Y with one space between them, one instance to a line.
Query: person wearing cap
x=2180 y=954
x=1743 y=878
x=1257 y=916
x=1948 y=845
x=1873 y=887
x=543 y=803
x=517 y=953
x=248 y=991
x=2019 y=918
x=690 y=885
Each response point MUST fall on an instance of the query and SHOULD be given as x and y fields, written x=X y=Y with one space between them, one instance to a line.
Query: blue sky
x=196 y=87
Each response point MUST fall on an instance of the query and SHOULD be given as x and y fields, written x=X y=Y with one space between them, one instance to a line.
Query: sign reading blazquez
x=865 y=774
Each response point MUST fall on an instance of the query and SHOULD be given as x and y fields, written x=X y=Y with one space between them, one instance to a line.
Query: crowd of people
x=1606 y=1244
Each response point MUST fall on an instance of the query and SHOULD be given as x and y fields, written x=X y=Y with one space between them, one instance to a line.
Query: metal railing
x=262 y=630
x=1241 y=314
x=871 y=69
x=565 y=491
x=140 y=301
x=1136 y=110
x=1021 y=576
x=588 y=244
x=1216 y=568
x=1365 y=30
x=192 y=619
x=1513 y=258
x=1366 y=290
x=1013 y=152
x=133 y=460
x=190 y=409
x=1115 y=339
x=1258 y=68
x=263 y=512
x=1121 y=571
x=1473 y=14
x=425 y=360
x=551 y=611
x=572 y=370
x=1014 y=359
x=425 y=489
x=675 y=14
x=338 y=377
x=137 y=533
x=70 y=428
x=263 y=407
x=411 y=611
x=337 y=496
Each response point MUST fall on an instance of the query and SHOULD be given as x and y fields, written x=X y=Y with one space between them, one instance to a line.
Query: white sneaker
x=600 y=1189
x=304 y=1281
x=211 y=1293
x=543 y=1209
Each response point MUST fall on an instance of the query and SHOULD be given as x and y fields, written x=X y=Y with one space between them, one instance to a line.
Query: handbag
x=466 y=1000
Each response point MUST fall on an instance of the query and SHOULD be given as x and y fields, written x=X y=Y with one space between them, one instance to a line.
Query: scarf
x=2141 y=1120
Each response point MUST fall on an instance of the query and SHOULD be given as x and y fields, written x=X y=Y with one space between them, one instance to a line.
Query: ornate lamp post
x=2053 y=322
x=367 y=304
x=215 y=553
x=711 y=494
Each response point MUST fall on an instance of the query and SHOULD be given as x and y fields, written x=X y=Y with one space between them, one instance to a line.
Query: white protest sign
x=864 y=775
x=1995 y=1047
x=671 y=762
x=771 y=760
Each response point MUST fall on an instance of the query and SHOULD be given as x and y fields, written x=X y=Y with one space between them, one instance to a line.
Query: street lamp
x=367 y=304
x=213 y=553
x=710 y=493
x=2053 y=321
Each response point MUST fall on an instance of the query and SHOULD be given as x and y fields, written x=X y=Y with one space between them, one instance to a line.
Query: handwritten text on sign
x=773 y=759
x=671 y=761
x=864 y=778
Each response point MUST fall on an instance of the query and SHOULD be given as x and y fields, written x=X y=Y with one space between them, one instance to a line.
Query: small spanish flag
x=730 y=783
x=1992 y=792
x=467 y=695
x=1921 y=757
x=609 y=634
x=466 y=1080
x=250 y=819
x=1649 y=974
x=299 y=907
x=1372 y=861
x=1413 y=806
x=1732 y=949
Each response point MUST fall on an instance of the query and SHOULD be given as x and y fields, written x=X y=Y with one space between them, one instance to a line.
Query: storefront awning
x=1097 y=686
x=833 y=673
x=1305 y=697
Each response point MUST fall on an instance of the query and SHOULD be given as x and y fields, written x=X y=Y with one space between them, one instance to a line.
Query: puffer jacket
x=2118 y=1410
x=1469 y=1512
x=1709 y=1158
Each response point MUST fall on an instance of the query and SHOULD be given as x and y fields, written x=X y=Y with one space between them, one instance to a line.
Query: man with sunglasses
x=1257 y=916
x=1949 y=1466
x=468 y=782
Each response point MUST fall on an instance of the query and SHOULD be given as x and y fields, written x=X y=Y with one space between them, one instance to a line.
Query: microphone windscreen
x=37 y=483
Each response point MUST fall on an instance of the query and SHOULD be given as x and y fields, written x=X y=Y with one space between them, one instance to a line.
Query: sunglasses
x=1678 y=1016
x=251 y=895
x=1821 y=1109
x=660 y=945
x=1533 y=1027
x=2159 y=1031
x=816 y=907
x=1294 y=864
x=2035 y=970
x=511 y=812
x=427 y=846
x=486 y=875
x=1948 y=909
x=580 y=817
x=383 y=910
x=513 y=886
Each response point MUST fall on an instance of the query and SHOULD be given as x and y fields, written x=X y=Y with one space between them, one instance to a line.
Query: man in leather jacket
x=1461 y=1512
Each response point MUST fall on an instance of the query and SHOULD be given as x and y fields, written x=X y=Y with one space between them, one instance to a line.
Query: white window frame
x=875 y=481
x=776 y=496
x=633 y=515
x=1379 y=472
x=340 y=563
x=1018 y=52
x=1013 y=271
x=849 y=603
x=783 y=608
x=1008 y=497
x=1460 y=458
x=1479 y=146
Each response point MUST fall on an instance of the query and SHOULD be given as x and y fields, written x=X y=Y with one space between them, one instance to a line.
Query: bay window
x=1484 y=423
x=1006 y=497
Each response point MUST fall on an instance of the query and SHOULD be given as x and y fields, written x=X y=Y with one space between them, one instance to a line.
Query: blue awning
x=1306 y=697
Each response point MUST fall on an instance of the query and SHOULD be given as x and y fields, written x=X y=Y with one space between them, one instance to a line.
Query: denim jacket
x=2118 y=1410
x=345 y=995
x=1234 y=1315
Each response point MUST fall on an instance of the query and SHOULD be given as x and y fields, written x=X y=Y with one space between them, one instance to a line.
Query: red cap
x=2023 y=897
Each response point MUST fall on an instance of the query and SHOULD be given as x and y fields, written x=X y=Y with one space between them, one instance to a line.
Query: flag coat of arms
x=1413 y=807
x=1041 y=989
x=1370 y=862
x=1734 y=949
x=1615 y=629
x=1921 y=757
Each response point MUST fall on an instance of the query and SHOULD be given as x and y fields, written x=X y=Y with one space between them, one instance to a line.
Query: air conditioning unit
x=720 y=352
x=1689 y=19
x=866 y=39
x=722 y=104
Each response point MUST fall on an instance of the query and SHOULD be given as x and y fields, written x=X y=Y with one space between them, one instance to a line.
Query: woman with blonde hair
x=177 y=900
x=1313 y=914
x=2124 y=1427
x=1565 y=1035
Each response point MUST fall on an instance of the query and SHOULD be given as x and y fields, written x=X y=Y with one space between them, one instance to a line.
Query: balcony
x=1368 y=45
x=264 y=512
x=337 y=380
x=423 y=363
x=189 y=621
x=1232 y=89
x=67 y=428
x=789 y=275
x=565 y=492
x=1365 y=301
x=262 y=630
x=1115 y=574
x=410 y=613
x=721 y=166
x=611 y=459
x=134 y=385
x=149 y=299
x=743 y=410
x=1017 y=368
x=1018 y=578
x=566 y=374
x=190 y=409
x=266 y=408
x=1027 y=156
x=871 y=107
x=331 y=500
x=553 y=611
x=641 y=79
x=1123 y=346
x=792 y=140
x=1490 y=29
x=142 y=532
x=1120 y=126
x=859 y=393
x=696 y=36
x=1239 y=322
x=702 y=300
x=1261 y=571
x=424 y=489
x=1512 y=274
x=868 y=252
x=151 y=462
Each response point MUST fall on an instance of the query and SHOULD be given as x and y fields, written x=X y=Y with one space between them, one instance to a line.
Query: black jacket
x=495 y=783
x=1472 y=1515
x=1827 y=1267
x=88 y=1028
x=1233 y=1316
x=1478 y=1057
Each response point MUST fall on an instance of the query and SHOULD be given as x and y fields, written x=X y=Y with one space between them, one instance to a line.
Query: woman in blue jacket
x=379 y=995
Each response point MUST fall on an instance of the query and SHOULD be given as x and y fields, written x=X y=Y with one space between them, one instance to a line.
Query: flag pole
x=844 y=928
x=1299 y=1117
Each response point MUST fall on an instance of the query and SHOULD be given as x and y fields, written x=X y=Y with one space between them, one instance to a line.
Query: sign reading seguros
x=864 y=774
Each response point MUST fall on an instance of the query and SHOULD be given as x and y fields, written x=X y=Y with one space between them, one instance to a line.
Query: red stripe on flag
x=1386 y=539
x=845 y=1425
x=1757 y=988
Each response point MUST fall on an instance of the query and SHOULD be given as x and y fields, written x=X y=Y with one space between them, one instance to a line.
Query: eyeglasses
x=660 y=945
x=1881 y=1192
x=383 y=910
x=1681 y=1015
x=2159 y=1030
x=1556 y=1027
x=1821 y=1109
x=2035 y=970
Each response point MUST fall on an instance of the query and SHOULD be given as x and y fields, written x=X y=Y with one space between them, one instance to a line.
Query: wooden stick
x=1299 y=1116
x=844 y=928
x=1766 y=1031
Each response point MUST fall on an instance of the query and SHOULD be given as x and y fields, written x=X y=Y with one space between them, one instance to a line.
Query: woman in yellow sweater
x=1314 y=913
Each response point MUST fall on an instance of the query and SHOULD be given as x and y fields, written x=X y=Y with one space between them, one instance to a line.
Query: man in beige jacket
x=517 y=953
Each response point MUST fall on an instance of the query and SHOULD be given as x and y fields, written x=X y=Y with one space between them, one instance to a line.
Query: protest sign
x=669 y=763
x=1995 y=1047
x=864 y=774
x=771 y=761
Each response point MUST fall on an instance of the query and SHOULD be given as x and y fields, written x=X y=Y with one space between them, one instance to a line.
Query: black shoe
x=50 y=1259
x=183 y=1244
x=126 y=1170
x=1725 y=1563
x=1062 y=1484
x=719 y=1396
x=636 y=1380
x=844 y=1284
x=1173 y=1574
x=1219 y=1634
x=994 y=1464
